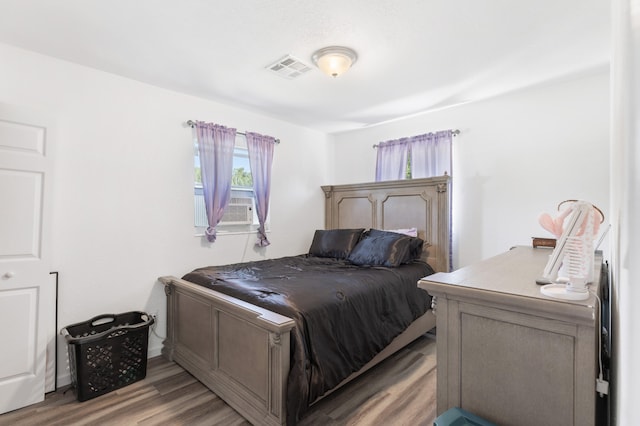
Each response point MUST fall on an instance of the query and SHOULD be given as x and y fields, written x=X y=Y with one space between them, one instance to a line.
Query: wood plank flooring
x=399 y=391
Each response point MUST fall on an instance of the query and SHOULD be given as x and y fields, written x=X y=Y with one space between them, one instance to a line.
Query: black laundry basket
x=107 y=352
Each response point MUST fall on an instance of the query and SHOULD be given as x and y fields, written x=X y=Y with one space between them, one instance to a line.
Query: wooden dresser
x=510 y=354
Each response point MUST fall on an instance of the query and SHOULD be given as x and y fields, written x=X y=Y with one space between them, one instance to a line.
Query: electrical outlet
x=602 y=387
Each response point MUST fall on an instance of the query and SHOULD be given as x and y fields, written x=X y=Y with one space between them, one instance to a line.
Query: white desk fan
x=570 y=265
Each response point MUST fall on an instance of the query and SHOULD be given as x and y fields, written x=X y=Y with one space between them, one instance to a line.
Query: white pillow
x=412 y=232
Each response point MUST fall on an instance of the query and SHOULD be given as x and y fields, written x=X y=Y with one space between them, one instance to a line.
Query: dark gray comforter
x=344 y=314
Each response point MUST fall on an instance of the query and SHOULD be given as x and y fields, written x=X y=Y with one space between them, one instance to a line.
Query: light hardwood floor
x=399 y=391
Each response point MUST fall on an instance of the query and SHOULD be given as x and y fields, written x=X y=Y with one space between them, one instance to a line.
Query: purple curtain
x=391 y=162
x=431 y=154
x=260 y=159
x=215 y=144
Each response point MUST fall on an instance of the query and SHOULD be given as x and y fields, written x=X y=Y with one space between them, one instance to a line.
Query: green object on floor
x=459 y=417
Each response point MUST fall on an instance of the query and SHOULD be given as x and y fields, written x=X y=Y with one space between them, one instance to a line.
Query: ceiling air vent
x=289 y=67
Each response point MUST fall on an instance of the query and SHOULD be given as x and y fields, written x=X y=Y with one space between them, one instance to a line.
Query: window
x=418 y=156
x=239 y=216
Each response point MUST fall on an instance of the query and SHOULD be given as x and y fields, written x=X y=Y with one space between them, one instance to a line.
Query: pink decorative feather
x=556 y=225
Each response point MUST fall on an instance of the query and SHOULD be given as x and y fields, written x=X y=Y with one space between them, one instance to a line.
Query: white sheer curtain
x=391 y=162
x=431 y=154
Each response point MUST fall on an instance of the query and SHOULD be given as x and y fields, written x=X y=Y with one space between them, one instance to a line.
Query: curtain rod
x=192 y=124
x=454 y=133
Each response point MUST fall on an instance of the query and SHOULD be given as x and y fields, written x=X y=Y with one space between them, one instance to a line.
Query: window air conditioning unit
x=239 y=211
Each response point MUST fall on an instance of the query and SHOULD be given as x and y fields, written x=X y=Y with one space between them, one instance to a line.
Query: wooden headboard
x=420 y=203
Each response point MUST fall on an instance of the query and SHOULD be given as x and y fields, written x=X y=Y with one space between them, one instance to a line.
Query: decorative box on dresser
x=510 y=354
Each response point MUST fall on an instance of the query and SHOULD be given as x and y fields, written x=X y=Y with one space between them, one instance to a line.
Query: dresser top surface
x=512 y=273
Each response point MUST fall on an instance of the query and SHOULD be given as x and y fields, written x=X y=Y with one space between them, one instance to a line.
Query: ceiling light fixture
x=334 y=60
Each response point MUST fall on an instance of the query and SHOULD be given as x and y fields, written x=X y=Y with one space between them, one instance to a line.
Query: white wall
x=123 y=179
x=518 y=155
x=625 y=206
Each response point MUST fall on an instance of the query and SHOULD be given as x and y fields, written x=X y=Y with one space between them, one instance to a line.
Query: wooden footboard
x=238 y=350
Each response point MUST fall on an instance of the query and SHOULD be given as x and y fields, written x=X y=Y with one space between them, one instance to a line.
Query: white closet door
x=27 y=296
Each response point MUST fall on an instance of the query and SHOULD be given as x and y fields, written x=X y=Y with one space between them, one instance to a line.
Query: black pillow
x=336 y=243
x=415 y=244
x=382 y=248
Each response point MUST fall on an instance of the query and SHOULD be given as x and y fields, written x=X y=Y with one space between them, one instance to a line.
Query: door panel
x=20 y=212
x=20 y=337
x=27 y=297
x=20 y=137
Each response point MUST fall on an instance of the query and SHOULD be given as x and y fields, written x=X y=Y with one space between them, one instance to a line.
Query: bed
x=248 y=352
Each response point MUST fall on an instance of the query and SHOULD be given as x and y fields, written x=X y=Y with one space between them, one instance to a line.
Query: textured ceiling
x=413 y=55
